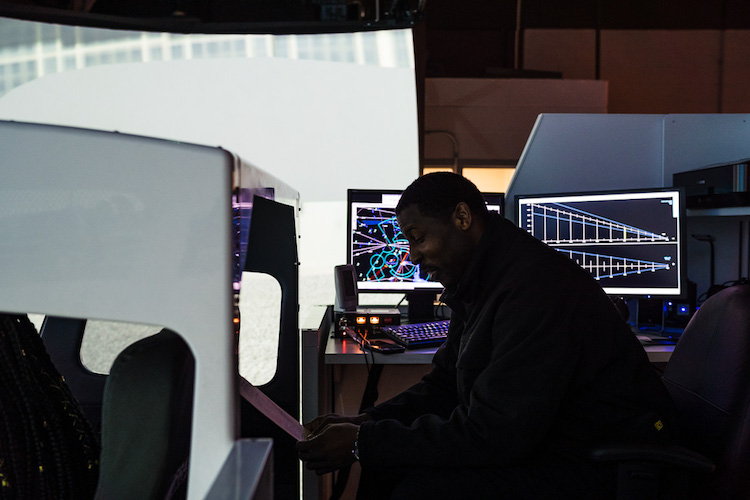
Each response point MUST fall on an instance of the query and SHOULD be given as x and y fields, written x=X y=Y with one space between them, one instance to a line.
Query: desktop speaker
x=366 y=320
x=347 y=294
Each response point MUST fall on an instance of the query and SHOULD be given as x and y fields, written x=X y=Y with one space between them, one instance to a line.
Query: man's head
x=442 y=215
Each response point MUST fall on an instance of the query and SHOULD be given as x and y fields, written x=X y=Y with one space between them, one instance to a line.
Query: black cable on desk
x=369 y=397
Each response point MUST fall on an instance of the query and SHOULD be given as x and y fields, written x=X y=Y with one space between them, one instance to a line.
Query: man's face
x=440 y=246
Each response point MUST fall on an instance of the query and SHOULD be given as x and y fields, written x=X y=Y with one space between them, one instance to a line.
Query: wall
x=474 y=38
x=482 y=124
x=695 y=141
x=651 y=71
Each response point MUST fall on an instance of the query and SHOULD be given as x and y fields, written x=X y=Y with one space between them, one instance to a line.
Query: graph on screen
x=628 y=241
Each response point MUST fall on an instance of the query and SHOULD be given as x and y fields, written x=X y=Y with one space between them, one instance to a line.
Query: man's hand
x=329 y=447
x=321 y=422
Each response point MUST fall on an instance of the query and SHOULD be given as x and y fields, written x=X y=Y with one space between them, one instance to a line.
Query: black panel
x=470 y=14
x=306 y=16
x=736 y=14
x=559 y=14
x=665 y=14
x=272 y=249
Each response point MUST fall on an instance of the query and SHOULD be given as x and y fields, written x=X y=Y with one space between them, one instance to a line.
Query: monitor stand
x=652 y=310
x=421 y=305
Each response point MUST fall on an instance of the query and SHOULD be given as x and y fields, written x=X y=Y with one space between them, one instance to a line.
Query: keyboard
x=418 y=335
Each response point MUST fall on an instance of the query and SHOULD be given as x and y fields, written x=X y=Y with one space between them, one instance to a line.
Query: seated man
x=538 y=368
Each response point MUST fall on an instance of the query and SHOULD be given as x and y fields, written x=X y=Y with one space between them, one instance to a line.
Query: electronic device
x=631 y=241
x=379 y=251
x=347 y=294
x=385 y=346
x=715 y=186
x=418 y=335
x=364 y=320
x=361 y=319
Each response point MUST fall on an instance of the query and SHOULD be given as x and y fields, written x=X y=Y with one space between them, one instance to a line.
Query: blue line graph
x=380 y=252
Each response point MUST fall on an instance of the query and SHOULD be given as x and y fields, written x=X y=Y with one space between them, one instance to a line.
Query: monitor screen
x=377 y=249
x=631 y=241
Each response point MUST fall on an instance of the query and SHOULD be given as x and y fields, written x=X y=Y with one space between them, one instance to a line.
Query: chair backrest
x=63 y=338
x=708 y=377
x=146 y=420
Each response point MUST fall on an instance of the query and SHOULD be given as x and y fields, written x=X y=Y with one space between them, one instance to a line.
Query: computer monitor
x=631 y=241
x=376 y=247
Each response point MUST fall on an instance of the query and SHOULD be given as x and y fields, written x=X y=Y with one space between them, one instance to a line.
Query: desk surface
x=341 y=351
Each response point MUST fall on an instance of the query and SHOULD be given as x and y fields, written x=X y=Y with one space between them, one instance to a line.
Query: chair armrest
x=671 y=455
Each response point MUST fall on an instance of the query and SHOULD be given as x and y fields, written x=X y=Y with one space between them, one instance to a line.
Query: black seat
x=708 y=376
x=63 y=338
x=146 y=420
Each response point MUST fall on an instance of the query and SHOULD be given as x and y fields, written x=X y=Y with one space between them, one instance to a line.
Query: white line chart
x=609 y=266
x=564 y=228
x=560 y=224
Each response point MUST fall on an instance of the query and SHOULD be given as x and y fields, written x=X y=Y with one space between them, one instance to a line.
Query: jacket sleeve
x=435 y=393
x=511 y=406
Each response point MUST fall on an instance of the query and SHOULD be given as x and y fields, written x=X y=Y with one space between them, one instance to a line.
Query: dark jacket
x=537 y=359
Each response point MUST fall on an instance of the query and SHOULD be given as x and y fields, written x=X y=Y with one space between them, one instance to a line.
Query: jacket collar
x=460 y=298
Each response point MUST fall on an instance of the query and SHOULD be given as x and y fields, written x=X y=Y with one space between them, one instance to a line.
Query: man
x=538 y=368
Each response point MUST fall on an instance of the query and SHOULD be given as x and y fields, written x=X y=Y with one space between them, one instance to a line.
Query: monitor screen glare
x=630 y=242
x=378 y=250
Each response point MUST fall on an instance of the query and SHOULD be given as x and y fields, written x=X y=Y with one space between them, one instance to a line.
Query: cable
x=369 y=397
x=364 y=346
x=362 y=342
x=440 y=311
x=400 y=301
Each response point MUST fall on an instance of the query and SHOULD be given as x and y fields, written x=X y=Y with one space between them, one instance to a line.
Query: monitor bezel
x=682 y=278
x=393 y=286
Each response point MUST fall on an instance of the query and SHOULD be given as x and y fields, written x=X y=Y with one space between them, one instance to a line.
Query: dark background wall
x=465 y=39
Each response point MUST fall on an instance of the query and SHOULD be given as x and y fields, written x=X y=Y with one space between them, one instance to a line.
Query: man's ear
x=462 y=216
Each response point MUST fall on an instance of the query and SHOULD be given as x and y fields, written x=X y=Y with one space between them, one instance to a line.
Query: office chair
x=62 y=338
x=146 y=420
x=708 y=377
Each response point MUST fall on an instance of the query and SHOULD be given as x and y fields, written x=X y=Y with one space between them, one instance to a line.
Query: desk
x=342 y=351
x=345 y=386
x=347 y=352
x=659 y=353
x=337 y=372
